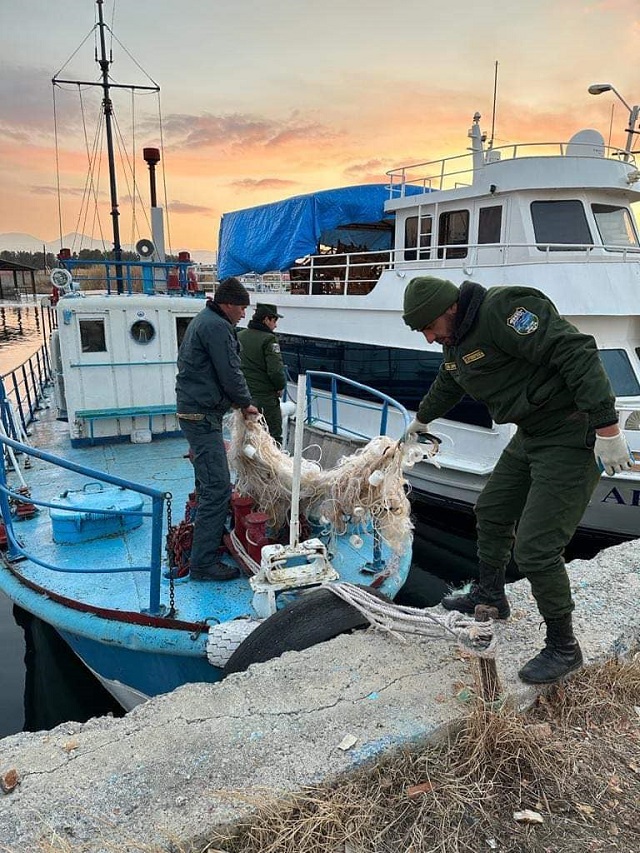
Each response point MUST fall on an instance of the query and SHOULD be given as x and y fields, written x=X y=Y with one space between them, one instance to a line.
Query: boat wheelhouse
x=554 y=216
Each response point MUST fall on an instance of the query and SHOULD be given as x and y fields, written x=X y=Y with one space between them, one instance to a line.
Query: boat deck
x=161 y=465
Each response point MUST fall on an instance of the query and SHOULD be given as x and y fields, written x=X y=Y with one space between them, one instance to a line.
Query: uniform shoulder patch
x=275 y=347
x=523 y=322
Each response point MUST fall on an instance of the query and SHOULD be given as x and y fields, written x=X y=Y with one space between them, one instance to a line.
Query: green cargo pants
x=533 y=501
x=269 y=405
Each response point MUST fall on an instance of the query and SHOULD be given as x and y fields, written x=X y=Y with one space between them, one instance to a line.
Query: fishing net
x=365 y=488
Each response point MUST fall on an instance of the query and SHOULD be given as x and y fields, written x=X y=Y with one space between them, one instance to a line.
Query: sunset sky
x=263 y=99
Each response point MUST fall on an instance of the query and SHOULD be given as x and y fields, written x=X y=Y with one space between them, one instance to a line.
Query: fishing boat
x=553 y=216
x=97 y=491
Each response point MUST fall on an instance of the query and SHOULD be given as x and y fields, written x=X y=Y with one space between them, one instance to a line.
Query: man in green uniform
x=262 y=365
x=509 y=348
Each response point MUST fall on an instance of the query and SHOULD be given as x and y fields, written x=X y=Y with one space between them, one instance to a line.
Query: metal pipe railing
x=16 y=549
x=336 y=400
x=25 y=385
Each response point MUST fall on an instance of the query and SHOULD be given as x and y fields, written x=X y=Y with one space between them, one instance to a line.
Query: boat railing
x=16 y=550
x=358 y=274
x=172 y=278
x=448 y=172
x=509 y=254
x=328 y=392
x=22 y=392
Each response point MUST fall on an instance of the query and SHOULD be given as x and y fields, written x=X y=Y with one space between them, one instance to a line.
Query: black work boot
x=560 y=656
x=488 y=590
x=219 y=571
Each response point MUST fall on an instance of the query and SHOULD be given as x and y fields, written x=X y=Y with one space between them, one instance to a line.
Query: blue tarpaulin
x=273 y=236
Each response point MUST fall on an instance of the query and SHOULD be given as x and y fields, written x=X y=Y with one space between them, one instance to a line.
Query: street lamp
x=598 y=89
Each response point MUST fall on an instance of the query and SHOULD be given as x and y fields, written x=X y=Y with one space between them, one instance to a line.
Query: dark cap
x=263 y=311
x=426 y=298
x=231 y=292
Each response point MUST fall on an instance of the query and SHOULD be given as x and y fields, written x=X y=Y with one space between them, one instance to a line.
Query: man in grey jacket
x=208 y=384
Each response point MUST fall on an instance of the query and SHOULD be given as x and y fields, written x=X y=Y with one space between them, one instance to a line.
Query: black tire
x=315 y=617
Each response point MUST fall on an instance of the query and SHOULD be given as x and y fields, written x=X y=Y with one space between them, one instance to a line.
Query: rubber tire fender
x=315 y=617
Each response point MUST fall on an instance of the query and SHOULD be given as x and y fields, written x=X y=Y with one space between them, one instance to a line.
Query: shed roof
x=13 y=266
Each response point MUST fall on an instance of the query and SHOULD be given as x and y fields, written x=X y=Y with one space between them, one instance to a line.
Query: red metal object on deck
x=25 y=509
x=241 y=506
x=256 y=534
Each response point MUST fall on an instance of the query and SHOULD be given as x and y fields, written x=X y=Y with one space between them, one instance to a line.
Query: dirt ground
x=571 y=765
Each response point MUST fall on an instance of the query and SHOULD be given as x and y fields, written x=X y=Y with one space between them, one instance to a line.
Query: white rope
x=475 y=637
x=249 y=562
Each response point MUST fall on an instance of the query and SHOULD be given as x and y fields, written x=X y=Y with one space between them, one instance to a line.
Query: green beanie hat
x=425 y=299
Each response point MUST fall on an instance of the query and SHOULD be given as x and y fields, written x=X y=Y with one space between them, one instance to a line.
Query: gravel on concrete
x=184 y=763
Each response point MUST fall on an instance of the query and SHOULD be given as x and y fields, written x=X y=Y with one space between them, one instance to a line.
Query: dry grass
x=574 y=759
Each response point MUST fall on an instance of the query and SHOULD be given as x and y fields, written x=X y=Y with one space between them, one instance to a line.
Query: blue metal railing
x=313 y=395
x=16 y=549
x=174 y=278
x=23 y=389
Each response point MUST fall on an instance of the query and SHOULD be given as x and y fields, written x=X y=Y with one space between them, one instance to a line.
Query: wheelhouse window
x=142 y=332
x=615 y=226
x=560 y=222
x=181 y=327
x=417 y=237
x=490 y=224
x=618 y=367
x=92 y=336
x=453 y=234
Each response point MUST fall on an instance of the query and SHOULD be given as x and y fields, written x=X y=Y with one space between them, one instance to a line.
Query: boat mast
x=107 y=108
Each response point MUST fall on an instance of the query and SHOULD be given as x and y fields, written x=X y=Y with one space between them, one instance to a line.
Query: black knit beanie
x=231 y=292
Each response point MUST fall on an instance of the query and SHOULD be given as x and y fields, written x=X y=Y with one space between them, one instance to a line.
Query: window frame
x=453 y=249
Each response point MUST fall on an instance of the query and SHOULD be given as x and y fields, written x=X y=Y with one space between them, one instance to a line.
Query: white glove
x=613 y=454
x=416 y=427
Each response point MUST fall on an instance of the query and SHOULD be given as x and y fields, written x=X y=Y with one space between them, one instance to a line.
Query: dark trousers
x=213 y=486
x=269 y=405
x=533 y=501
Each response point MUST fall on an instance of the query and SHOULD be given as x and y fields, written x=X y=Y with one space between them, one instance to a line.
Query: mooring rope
x=397 y=619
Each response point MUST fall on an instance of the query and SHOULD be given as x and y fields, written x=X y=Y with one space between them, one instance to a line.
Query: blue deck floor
x=162 y=465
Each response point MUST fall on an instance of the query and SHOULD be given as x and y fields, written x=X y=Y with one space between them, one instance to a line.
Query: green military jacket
x=525 y=362
x=261 y=359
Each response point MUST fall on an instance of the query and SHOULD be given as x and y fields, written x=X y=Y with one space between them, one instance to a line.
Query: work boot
x=560 y=656
x=488 y=590
x=217 y=572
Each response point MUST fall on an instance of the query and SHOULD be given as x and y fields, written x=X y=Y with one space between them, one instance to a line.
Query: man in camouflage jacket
x=509 y=348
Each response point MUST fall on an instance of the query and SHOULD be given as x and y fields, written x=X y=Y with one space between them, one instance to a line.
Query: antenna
x=495 y=97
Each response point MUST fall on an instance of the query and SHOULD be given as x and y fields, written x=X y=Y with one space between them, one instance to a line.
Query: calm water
x=21 y=333
x=42 y=683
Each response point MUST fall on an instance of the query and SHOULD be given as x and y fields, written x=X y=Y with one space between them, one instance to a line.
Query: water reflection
x=21 y=334
x=57 y=686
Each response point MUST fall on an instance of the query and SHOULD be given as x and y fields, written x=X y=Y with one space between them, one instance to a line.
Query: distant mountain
x=17 y=242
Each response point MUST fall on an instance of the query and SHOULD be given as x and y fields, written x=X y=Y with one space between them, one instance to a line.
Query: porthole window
x=142 y=332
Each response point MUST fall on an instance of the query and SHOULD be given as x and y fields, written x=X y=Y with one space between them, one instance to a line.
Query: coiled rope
x=396 y=619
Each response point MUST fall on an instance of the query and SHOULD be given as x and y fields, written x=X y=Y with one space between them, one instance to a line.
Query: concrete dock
x=182 y=764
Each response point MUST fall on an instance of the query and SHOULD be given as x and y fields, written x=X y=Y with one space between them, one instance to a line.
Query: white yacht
x=556 y=216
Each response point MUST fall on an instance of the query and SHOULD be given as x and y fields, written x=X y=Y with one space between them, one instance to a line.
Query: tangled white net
x=366 y=487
